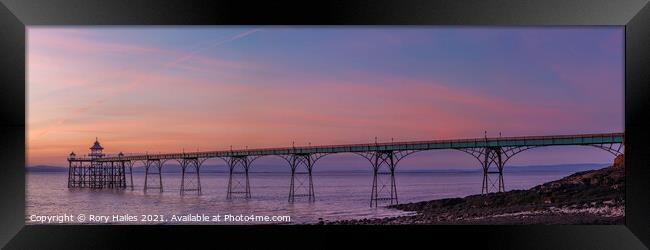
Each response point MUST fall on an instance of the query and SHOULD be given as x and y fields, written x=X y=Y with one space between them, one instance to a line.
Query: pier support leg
x=118 y=176
x=298 y=177
x=84 y=173
x=383 y=164
x=97 y=175
x=188 y=164
x=70 y=180
x=128 y=183
x=493 y=156
x=110 y=175
x=75 y=174
x=91 y=175
x=238 y=172
x=130 y=164
x=124 y=164
x=150 y=165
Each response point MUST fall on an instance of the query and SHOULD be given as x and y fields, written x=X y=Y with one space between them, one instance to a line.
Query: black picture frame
x=15 y=15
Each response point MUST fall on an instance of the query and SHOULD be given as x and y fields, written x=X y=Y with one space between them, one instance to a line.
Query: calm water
x=338 y=195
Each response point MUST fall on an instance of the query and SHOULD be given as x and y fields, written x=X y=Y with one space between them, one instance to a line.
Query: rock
x=619 y=162
x=591 y=190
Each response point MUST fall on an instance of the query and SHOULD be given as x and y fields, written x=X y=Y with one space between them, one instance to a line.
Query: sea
x=338 y=196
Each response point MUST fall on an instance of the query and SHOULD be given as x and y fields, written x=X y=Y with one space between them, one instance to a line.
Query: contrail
x=218 y=43
x=172 y=63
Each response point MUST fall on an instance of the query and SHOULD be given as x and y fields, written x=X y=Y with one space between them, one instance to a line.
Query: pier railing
x=518 y=141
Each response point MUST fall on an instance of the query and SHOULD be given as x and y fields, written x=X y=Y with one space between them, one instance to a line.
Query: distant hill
x=45 y=168
x=565 y=167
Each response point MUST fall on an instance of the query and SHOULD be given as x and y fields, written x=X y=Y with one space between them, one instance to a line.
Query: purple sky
x=167 y=89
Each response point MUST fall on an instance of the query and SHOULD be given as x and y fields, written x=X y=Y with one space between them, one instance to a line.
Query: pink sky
x=215 y=87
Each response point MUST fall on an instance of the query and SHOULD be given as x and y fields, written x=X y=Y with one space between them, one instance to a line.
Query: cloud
x=76 y=44
x=179 y=98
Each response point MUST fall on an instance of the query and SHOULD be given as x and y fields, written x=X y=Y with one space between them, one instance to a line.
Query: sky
x=169 y=89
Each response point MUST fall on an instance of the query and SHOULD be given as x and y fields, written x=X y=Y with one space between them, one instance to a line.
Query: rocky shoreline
x=588 y=197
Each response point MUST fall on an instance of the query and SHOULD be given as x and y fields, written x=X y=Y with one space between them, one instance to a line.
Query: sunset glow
x=170 y=89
